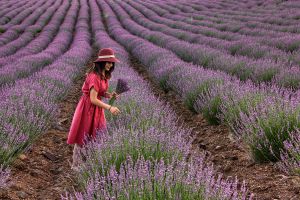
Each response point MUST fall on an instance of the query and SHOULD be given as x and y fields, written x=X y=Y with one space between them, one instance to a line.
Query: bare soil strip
x=229 y=157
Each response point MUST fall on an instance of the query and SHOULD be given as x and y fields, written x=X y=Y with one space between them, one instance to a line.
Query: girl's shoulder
x=92 y=75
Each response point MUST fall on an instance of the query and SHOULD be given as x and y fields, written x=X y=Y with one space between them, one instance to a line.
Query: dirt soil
x=228 y=156
x=44 y=171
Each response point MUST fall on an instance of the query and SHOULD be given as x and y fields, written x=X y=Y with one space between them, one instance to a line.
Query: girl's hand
x=111 y=95
x=114 y=110
x=115 y=95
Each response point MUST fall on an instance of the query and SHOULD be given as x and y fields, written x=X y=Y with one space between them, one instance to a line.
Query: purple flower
x=122 y=86
x=4 y=175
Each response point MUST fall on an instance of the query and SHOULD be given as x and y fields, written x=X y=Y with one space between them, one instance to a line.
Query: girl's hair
x=98 y=67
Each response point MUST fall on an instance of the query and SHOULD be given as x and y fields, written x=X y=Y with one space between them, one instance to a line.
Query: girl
x=89 y=116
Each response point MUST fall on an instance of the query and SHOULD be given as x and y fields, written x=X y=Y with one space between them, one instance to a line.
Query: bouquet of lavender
x=122 y=86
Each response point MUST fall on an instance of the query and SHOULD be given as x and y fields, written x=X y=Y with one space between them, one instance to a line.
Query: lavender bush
x=4 y=175
x=209 y=102
x=159 y=180
x=193 y=83
x=153 y=144
x=289 y=78
x=290 y=155
x=267 y=126
x=237 y=101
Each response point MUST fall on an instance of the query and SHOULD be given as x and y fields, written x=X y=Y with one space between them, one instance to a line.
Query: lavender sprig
x=4 y=175
x=122 y=86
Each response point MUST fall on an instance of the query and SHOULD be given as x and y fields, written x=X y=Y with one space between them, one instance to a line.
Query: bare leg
x=76 y=156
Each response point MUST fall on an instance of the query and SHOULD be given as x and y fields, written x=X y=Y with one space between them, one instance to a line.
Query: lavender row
x=244 y=46
x=264 y=17
x=9 y=5
x=163 y=10
x=146 y=180
x=40 y=42
x=23 y=22
x=6 y=4
x=284 y=43
x=206 y=19
x=15 y=31
x=29 y=64
x=130 y=145
x=31 y=31
x=211 y=23
x=219 y=24
x=10 y=15
x=30 y=106
x=255 y=13
x=243 y=68
x=263 y=117
x=283 y=17
x=26 y=13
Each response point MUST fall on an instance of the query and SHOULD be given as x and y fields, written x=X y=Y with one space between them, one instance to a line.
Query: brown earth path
x=228 y=156
x=44 y=173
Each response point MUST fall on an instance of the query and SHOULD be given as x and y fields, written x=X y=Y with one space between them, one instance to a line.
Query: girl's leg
x=76 y=156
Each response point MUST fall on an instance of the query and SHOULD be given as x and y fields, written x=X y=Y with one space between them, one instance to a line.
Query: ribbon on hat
x=110 y=56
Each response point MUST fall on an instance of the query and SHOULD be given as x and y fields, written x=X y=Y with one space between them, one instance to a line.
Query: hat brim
x=107 y=60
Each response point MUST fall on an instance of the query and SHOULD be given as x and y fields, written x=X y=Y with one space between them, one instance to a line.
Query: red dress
x=88 y=118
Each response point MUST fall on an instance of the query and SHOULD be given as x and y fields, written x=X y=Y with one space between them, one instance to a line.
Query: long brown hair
x=98 y=67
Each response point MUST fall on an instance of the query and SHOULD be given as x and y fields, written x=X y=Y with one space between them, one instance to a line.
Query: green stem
x=111 y=101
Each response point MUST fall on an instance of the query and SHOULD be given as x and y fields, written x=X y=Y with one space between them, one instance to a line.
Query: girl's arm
x=107 y=95
x=110 y=95
x=97 y=102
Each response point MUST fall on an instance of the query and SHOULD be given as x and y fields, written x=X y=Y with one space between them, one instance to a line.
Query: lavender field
x=236 y=63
